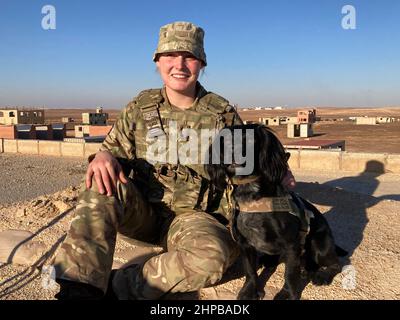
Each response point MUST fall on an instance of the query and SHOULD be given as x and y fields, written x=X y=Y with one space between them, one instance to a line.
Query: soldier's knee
x=205 y=267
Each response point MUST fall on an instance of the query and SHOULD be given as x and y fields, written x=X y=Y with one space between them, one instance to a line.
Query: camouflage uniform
x=163 y=203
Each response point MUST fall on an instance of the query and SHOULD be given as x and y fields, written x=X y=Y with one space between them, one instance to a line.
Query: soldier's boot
x=110 y=294
x=72 y=290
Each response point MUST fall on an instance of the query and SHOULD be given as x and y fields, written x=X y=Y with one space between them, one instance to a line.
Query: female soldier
x=163 y=202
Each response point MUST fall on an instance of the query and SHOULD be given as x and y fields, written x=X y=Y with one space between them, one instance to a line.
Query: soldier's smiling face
x=179 y=71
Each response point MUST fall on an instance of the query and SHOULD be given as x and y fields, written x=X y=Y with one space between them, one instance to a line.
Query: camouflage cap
x=181 y=36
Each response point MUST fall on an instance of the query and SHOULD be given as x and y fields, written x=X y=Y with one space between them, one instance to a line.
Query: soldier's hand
x=106 y=171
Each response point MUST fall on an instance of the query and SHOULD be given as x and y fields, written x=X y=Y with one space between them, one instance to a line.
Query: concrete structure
x=366 y=120
x=21 y=116
x=50 y=148
x=306 y=116
x=385 y=119
x=66 y=120
x=28 y=146
x=317 y=145
x=321 y=160
x=270 y=121
x=44 y=132
x=8 y=132
x=59 y=131
x=325 y=161
x=302 y=130
x=99 y=130
x=287 y=120
x=75 y=140
x=81 y=131
x=26 y=131
x=98 y=118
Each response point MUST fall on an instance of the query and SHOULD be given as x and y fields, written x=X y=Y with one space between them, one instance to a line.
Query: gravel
x=24 y=177
x=364 y=221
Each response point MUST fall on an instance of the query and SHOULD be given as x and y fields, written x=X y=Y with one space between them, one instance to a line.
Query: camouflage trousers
x=199 y=249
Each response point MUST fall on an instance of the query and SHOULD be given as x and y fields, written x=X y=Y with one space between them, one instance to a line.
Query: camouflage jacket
x=177 y=185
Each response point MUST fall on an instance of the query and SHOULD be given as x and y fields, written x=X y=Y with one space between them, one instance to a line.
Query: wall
x=99 y=130
x=21 y=116
x=333 y=161
x=5 y=116
x=49 y=148
x=365 y=120
x=318 y=160
x=8 y=132
x=81 y=131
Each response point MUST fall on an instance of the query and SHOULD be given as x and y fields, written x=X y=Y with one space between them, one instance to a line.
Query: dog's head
x=253 y=151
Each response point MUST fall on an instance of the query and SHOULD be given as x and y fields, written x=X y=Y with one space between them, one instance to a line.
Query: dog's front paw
x=250 y=294
x=322 y=278
x=282 y=295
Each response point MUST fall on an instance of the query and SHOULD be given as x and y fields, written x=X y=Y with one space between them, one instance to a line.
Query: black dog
x=268 y=220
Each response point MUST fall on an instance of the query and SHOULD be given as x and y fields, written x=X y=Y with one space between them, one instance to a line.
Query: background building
x=21 y=116
x=98 y=118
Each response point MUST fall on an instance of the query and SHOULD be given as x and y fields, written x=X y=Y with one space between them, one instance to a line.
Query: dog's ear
x=272 y=156
x=216 y=171
x=217 y=175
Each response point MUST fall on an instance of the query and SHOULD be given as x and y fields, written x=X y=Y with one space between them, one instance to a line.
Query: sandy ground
x=361 y=209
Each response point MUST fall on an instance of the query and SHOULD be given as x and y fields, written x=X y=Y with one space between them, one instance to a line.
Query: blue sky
x=260 y=53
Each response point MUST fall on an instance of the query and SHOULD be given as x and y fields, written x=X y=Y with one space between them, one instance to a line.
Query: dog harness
x=290 y=204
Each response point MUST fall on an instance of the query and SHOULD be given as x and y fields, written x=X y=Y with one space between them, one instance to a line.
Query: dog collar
x=240 y=181
x=273 y=204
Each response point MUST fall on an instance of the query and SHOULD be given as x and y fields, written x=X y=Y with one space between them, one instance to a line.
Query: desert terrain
x=38 y=194
x=334 y=126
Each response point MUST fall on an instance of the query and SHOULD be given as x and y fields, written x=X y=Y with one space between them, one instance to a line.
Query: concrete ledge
x=317 y=160
x=294 y=160
x=10 y=146
x=71 y=149
x=28 y=146
x=91 y=148
x=320 y=161
x=393 y=163
x=50 y=148
x=363 y=162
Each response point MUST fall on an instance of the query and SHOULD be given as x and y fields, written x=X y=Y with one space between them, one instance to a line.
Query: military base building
x=21 y=116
